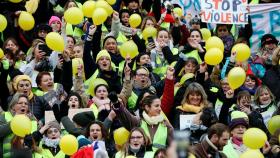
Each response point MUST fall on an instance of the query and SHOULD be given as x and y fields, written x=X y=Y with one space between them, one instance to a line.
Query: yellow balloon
x=129 y=48
x=206 y=34
x=1 y=53
x=213 y=56
x=135 y=20
x=214 y=42
x=94 y=83
x=106 y=6
x=236 y=77
x=273 y=124
x=15 y=1
x=254 y=138
x=99 y=16
x=111 y=2
x=73 y=16
x=121 y=136
x=242 y=50
x=88 y=8
x=3 y=23
x=149 y=32
x=55 y=41
x=178 y=11
x=26 y=21
x=68 y=144
x=252 y=154
x=21 y=125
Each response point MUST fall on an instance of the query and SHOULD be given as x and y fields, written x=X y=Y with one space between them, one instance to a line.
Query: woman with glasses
x=138 y=145
x=151 y=120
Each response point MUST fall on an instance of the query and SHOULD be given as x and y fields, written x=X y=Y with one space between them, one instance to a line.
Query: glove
x=60 y=111
x=28 y=141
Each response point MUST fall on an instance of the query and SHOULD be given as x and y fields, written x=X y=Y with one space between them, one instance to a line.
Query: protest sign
x=49 y=116
x=265 y=19
x=186 y=121
x=224 y=11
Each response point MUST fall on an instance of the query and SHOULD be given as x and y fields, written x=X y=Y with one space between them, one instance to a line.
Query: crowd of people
x=147 y=95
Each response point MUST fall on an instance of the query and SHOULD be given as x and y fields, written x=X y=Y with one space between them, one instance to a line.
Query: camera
x=45 y=48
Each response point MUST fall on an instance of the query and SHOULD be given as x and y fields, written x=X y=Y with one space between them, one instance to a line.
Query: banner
x=265 y=19
x=224 y=11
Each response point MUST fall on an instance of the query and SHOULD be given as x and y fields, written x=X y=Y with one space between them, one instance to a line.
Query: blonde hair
x=257 y=95
x=276 y=56
x=196 y=88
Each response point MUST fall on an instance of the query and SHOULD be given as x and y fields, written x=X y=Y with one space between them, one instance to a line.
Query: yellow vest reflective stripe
x=229 y=151
x=38 y=92
x=77 y=32
x=94 y=110
x=160 y=137
x=148 y=154
x=132 y=100
x=47 y=154
x=7 y=140
x=195 y=55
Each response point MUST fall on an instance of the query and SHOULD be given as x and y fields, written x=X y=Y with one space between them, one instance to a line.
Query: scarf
x=50 y=142
x=154 y=120
x=237 y=141
x=190 y=108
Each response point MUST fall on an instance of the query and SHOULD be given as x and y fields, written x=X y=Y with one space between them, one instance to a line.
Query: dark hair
x=162 y=150
x=192 y=30
x=137 y=59
x=208 y=117
x=10 y=39
x=148 y=100
x=217 y=129
x=67 y=3
x=95 y=89
x=163 y=29
x=103 y=129
x=221 y=25
x=40 y=76
x=243 y=94
x=72 y=38
x=191 y=60
x=81 y=105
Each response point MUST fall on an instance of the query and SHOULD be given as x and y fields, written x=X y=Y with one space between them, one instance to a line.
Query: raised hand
x=170 y=73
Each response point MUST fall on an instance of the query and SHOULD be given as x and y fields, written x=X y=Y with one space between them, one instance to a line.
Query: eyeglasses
x=136 y=137
x=142 y=75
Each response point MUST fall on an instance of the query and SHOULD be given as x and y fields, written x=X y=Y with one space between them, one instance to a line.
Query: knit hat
x=83 y=141
x=107 y=37
x=20 y=78
x=236 y=122
x=238 y=118
x=195 y=20
x=101 y=54
x=54 y=124
x=84 y=118
x=53 y=19
x=268 y=39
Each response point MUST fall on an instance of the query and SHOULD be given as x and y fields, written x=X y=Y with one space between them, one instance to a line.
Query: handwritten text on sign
x=224 y=11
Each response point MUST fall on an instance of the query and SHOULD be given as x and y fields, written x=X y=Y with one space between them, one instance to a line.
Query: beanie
x=83 y=141
x=20 y=78
x=84 y=118
x=101 y=54
x=53 y=19
x=238 y=114
x=54 y=124
x=238 y=121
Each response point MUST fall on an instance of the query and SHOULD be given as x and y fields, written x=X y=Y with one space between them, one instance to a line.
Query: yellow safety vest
x=148 y=154
x=77 y=32
x=38 y=92
x=94 y=110
x=160 y=137
x=121 y=39
x=47 y=154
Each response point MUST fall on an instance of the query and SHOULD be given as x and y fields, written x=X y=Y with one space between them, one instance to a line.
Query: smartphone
x=151 y=40
x=46 y=49
x=60 y=56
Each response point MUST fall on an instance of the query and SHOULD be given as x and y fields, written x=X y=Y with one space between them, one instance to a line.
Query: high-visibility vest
x=38 y=92
x=131 y=103
x=7 y=140
x=121 y=39
x=229 y=151
x=148 y=154
x=47 y=154
x=254 y=2
x=76 y=32
x=160 y=137
x=94 y=110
